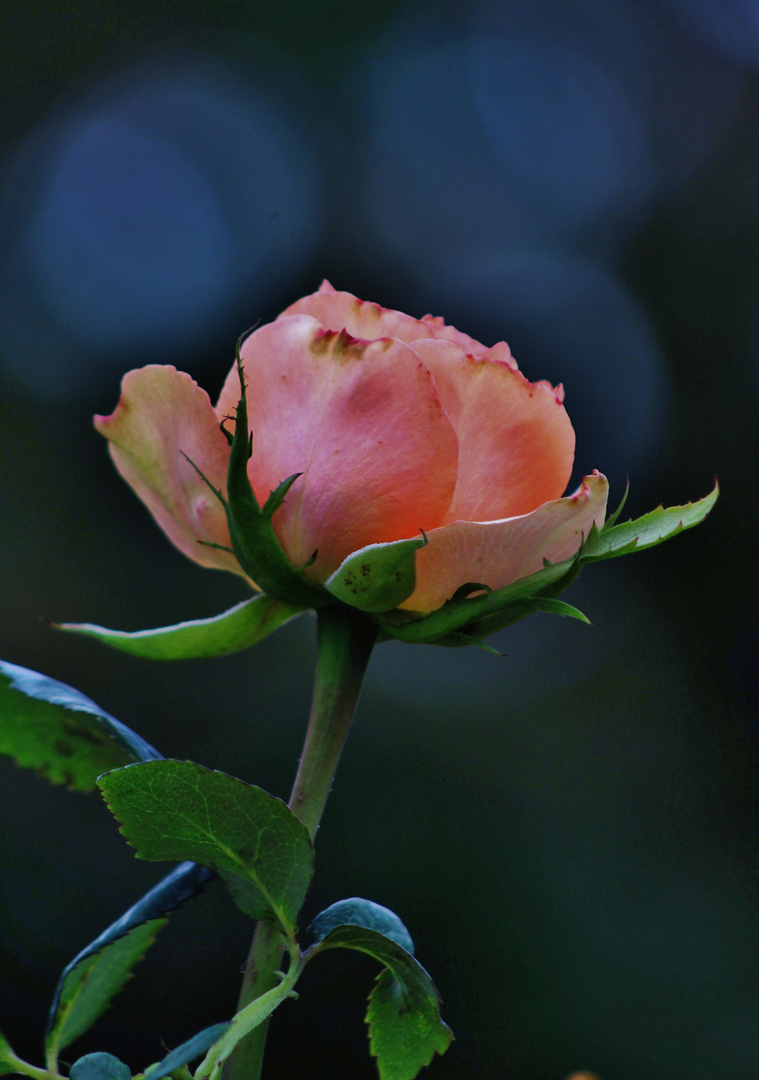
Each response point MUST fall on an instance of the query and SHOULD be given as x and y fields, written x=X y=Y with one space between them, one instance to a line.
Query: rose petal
x=161 y=415
x=342 y=310
x=516 y=443
x=363 y=423
x=497 y=553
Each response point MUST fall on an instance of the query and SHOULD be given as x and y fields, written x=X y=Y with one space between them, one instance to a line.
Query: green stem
x=345 y=642
x=249 y=1018
x=344 y=645
x=23 y=1068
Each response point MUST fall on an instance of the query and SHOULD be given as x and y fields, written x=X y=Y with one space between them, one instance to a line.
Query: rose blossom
x=396 y=425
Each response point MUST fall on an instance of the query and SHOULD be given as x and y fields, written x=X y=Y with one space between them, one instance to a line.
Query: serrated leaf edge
x=370 y=1024
x=54 y=1046
x=284 y=922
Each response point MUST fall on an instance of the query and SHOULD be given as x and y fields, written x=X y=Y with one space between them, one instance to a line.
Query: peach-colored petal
x=363 y=423
x=496 y=553
x=516 y=443
x=161 y=415
x=341 y=310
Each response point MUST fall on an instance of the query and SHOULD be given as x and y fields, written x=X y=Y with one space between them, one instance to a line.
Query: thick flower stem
x=345 y=641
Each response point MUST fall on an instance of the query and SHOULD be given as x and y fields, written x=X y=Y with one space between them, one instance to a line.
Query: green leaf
x=100 y=1066
x=378 y=577
x=8 y=1059
x=358 y=912
x=94 y=982
x=179 y=810
x=242 y=626
x=188 y=1051
x=88 y=984
x=405 y=1029
x=48 y=726
x=647 y=531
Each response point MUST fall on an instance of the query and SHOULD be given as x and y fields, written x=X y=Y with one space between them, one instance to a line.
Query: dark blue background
x=570 y=832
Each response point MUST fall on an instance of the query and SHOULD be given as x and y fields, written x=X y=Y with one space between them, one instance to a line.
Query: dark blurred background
x=569 y=832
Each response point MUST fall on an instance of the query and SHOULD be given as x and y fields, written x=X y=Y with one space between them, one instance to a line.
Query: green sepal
x=379 y=577
x=63 y=735
x=97 y=973
x=358 y=912
x=243 y=625
x=507 y=605
x=100 y=1066
x=8 y=1059
x=196 y=1046
x=470 y=587
x=405 y=1029
x=254 y=541
x=277 y=497
x=558 y=607
x=613 y=517
x=469 y=639
x=646 y=531
x=464 y=618
x=178 y=810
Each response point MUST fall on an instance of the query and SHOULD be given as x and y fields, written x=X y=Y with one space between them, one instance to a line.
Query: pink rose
x=395 y=425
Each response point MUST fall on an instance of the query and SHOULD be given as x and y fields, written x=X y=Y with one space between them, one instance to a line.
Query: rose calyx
x=254 y=542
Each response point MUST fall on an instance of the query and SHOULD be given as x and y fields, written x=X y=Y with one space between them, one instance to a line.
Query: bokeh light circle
x=146 y=209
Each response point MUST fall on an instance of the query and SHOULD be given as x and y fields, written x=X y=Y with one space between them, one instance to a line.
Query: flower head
x=406 y=436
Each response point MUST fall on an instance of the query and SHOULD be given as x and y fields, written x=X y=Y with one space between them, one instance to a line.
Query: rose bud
x=416 y=460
